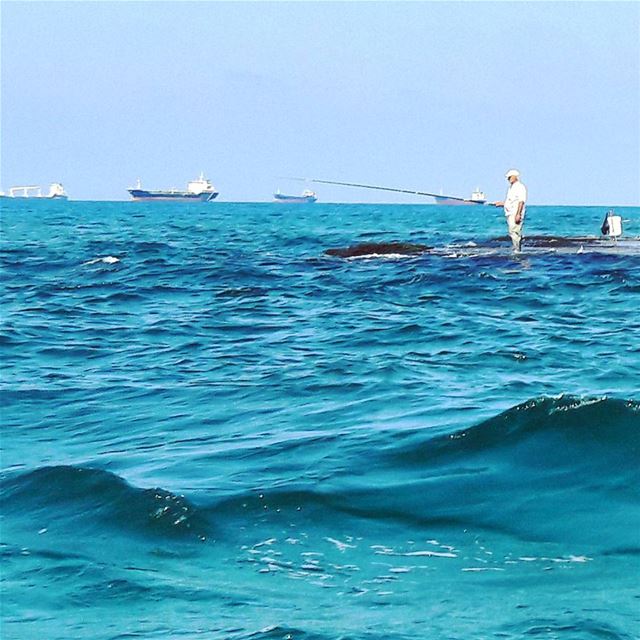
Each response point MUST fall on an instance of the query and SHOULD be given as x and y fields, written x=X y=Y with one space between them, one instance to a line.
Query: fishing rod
x=380 y=188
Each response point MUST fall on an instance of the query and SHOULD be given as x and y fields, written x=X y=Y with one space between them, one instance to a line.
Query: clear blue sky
x=433 y=95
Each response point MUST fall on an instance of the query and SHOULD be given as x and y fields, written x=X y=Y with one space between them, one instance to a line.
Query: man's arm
x=518 y=217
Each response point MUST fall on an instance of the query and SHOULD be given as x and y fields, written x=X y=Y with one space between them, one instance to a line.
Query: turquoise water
x=211 y=429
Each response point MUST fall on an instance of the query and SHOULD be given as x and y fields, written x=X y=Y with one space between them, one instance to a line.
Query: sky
x=432 y=96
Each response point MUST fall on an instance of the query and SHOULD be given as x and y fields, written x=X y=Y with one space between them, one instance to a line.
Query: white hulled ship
x=56 y=192
x=477 y=197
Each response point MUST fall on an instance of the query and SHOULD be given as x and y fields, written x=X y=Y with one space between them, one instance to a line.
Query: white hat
x=512 y=173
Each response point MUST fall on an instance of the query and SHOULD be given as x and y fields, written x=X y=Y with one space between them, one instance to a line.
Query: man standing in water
x=514 y=207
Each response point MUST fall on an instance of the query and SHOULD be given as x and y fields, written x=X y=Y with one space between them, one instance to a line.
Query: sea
x=213 y=429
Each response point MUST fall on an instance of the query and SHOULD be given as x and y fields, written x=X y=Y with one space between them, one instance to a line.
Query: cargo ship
x=56 y=192
x=306 y=196
x=477 y=197
x=200 y=190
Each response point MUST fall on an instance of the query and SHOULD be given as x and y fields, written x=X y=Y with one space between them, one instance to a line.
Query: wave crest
x=551 y=468
x=611 y=422
x=85 y=496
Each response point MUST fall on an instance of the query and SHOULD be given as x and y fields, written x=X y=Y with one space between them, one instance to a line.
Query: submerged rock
x=552 y=242
x=378 y=248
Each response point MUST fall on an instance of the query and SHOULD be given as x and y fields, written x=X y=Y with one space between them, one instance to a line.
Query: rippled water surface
x=212 y=429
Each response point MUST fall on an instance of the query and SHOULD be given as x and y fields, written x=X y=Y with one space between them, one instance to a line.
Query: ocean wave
x=559 y=468
x=613 y=422
x=284 y=632
x=550 y=468
x=278 y=632
x=571 y=627
x=91 y=498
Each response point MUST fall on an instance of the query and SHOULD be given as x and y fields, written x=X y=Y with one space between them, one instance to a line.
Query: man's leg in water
x=515 y=232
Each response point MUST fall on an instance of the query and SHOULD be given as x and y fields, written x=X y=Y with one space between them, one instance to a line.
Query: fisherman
x=514 y=207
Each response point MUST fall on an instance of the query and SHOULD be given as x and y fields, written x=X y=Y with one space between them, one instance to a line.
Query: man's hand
x=518 y=216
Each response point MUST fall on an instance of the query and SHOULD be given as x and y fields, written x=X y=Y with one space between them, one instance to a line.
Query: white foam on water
x=562 y=560
x=268 y=542
x=105 y=260
x=578 y=559
x=428 y=554
x=340 y=545
x=311 y=567
x=384 y=256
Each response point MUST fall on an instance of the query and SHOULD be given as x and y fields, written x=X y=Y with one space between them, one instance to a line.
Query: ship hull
x=279 y=197
x=171 y=196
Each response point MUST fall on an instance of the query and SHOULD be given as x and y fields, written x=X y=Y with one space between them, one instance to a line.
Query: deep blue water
x=210 y=429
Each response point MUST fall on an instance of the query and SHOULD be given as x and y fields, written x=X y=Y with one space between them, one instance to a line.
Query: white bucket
x=615 y=226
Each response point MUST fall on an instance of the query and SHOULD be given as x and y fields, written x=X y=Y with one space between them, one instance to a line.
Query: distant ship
x=56 y=192
x=306 y=196
x=477 y=197
x=200 y=190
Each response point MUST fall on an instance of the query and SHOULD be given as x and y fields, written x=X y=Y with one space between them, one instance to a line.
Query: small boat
x=306 y=196
x=200 y=190
x=477 y=197
x=56 y=192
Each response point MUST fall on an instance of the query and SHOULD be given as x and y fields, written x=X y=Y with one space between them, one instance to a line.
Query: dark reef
x=378 y=248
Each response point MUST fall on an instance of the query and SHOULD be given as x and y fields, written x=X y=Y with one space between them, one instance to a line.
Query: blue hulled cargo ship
x=307 y=196
x=200 y=190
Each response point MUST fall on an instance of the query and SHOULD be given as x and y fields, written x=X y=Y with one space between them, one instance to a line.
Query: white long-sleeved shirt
x=517 y=193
